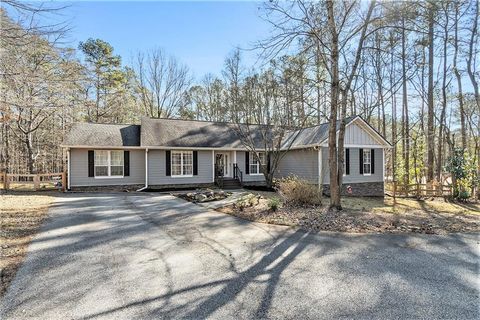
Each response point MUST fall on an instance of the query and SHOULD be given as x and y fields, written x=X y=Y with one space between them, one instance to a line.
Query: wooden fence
x=41 y=181
x=396 y=189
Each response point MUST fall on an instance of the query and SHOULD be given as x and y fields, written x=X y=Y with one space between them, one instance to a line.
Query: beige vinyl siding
x=355 y=175
x=302 y=163
x=157 y=169
x=79 y=170
x=247 y=177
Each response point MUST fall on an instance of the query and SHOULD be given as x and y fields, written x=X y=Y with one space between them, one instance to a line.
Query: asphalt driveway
x=124 y=256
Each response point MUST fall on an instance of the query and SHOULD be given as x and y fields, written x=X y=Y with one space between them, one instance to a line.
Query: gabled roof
x=367 y=127
x=103 y=135
x=176 y=133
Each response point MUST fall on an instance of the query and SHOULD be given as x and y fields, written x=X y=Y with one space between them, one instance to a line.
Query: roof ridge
x=192 y=120
x=233 y=123
x=350 y=118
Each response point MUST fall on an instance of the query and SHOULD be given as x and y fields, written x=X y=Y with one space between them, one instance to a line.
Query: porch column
x=383 y=169
x=213 y=166
x=68 y=169
x=319 y=167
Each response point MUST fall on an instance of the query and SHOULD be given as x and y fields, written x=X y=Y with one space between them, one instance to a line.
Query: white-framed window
x=108 y=163
x=367 y=162
x=182 y=163
x=255 y=166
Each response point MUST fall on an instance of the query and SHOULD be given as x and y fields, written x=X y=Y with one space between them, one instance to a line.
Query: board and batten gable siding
x=247 y=177
x=302 y=163
x=157 y=174
x=79 y=170
x=355 y=135
x=355 y=176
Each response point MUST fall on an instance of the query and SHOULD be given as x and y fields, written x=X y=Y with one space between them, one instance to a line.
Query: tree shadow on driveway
x=148 y=257
x=278 y=259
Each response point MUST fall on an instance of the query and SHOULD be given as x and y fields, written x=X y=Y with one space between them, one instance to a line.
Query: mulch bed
x=320 y=218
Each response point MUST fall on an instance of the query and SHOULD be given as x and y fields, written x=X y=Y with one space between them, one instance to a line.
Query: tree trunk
x=29 y=149
x=471 y=53
x=405 y=125
x=444 y=104
x=394 y=108
x=334 y=91
x=459 y=83
x=6 y=150
x=430 y=113
x=319 y=79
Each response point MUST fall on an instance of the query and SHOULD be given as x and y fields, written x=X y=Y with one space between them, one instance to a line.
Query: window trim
x=109 y=165
x=369 y=162
x=181 y=175
x=257 y=165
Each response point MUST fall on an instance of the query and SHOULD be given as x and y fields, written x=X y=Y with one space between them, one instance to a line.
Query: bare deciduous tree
x=162 y=83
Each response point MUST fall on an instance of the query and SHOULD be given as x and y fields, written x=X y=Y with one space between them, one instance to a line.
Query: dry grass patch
x=21 y=216
x=368 y=215
x=405 y=205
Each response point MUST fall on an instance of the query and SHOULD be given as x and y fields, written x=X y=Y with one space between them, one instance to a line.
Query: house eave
x=154 y=148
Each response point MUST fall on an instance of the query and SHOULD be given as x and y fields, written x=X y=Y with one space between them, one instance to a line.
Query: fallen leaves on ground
x=21 y=216
x=363 y=216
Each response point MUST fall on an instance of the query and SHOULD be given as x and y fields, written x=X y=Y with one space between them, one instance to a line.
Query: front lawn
x=364 y=215
x=21 y=216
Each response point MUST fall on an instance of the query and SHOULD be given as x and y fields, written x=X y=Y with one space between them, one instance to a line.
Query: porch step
x=231 y=184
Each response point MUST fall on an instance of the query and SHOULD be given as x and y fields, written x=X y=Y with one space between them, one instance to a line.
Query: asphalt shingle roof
x=311 y=135
x=103 y=135
x=190 y=133
x=184 y=133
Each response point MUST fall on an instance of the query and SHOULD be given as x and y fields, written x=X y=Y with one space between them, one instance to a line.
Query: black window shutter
x=360 y=155
x=347 y=161
x=372 y=161
x=167 y=163
x=247 y=162
x=91 y=163
x=195 y=163
x=268 y=162
x=126 y=163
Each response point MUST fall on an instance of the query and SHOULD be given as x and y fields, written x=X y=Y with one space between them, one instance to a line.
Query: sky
x=198 y=34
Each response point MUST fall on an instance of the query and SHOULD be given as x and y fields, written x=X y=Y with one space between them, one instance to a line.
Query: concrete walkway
x=125 y=256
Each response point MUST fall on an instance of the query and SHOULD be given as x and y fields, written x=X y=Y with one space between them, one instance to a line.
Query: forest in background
x=408 y=68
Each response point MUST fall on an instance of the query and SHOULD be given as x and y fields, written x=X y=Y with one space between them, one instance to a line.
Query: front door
x=221 y=163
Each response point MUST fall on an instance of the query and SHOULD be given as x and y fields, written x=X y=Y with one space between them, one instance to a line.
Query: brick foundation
x=187 y=186
x=364 y=189
x=131 y=187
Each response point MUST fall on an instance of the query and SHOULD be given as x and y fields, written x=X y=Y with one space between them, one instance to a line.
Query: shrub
x=274 y=204
x=249 y=200
x=299 y=192
x=464 y=175
x=463 y=195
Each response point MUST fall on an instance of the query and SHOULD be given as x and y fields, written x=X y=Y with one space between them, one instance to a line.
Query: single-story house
x=170 y=153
